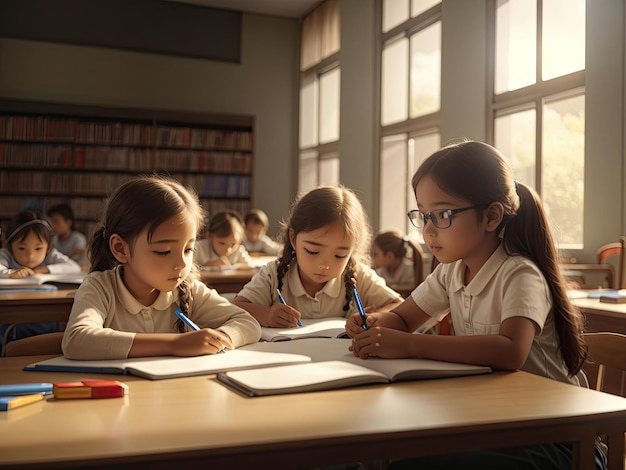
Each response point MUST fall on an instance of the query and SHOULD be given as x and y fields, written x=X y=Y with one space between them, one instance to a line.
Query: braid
x=350 y=282
x=184 y=298
x=282 y=266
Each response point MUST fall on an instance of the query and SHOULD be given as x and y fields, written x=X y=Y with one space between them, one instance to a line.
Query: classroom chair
x=607 y=252
x=608 y=350
x=45 y=344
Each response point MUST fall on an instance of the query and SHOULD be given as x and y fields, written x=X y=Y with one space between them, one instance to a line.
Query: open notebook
x=332 y=327
x=68 y=280
x=334 y=366
x=155 y=368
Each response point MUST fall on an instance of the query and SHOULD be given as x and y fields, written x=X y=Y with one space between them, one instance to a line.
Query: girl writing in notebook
x=498 y=277
x=325 y=256
x=142 y=271
x=30 y=251
x=223 y=246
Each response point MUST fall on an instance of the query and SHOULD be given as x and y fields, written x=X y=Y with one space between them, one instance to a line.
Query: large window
x=539 y=103
x=410 y=102
x=319 y=98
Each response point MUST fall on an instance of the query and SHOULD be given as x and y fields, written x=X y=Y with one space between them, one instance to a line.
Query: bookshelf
x=52 y=153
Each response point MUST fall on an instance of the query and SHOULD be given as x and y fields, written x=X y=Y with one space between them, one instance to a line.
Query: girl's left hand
x=21 y=273
x=381 y=342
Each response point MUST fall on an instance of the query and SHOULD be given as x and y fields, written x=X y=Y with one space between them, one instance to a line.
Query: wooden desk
x=577 y=272
x=197 y=423
x=602 y=316
x=229 y=281
x=37 y=306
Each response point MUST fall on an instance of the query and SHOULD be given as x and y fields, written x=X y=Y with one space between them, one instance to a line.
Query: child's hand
x=354 y=322
x=202 y=342
x=281 y=316
x=21 y=273
x=381 y=342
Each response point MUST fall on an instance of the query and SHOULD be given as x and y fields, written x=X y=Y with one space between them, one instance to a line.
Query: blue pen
x=281 y=299
x=359 y=307
x=191 y=324
x=186 y=320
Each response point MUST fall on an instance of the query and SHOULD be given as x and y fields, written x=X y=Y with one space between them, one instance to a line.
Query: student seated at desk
x=142 y=273
x=29 y=251
x=500 y=280
x=327 y=240
x=223 y=245
x=256 y=225
x=389 y=253
x=67 y=240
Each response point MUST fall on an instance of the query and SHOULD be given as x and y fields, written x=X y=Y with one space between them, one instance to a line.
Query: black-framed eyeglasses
x=440 y=218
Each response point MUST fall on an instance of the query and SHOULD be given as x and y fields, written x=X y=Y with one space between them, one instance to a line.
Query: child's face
x=379 y=258
x=224 y=246
x=322 y=255
x=163 y=262
x=464 y=239
x=31 y=251
x=60 y=225
x=254 y=231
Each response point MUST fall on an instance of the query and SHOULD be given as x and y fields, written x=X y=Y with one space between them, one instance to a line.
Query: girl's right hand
x=354 y=323
x=281 y=316
x=202 y=342
x=21 y=273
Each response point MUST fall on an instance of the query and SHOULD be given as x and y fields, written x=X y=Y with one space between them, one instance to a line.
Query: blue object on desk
x=16 y=289
x=281 y=299
x=359 y=307
x=25 y=389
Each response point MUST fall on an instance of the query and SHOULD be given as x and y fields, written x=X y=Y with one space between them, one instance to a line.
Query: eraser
x=90 y=389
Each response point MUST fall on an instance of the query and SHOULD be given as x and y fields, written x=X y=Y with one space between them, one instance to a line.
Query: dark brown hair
x=25 y=222
x=479 y=174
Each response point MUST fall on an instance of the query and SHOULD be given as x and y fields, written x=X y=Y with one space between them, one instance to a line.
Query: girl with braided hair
x=142 y=271
x=325 y=256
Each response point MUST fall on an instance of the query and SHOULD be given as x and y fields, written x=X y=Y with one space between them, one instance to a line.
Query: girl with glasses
x=498 y=277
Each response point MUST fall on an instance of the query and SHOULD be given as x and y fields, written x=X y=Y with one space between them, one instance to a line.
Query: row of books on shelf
x=52 y=129
x=100 y=184
x=120 y=158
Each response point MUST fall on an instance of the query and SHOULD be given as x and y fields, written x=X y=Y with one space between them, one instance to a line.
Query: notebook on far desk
x=38 y=281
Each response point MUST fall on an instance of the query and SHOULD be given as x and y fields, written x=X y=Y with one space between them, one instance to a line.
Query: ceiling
x=282 y=8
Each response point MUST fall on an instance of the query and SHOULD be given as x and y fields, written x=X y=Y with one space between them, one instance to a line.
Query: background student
x=29 y=251
x=498 y=277
x=67 y=240
x=389 y=254
x=327 y=240
x=223 y=245
x=256 y=225
x=142 y=271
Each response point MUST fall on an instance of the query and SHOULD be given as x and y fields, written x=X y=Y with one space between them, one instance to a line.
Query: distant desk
x=197 y=423
x=36 y=306
x=228 y=280
x=603 y=316
x=576 y=272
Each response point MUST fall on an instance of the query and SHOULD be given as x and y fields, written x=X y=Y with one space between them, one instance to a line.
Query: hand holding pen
x=214 y=335
x=360 y=309
x=282 y=315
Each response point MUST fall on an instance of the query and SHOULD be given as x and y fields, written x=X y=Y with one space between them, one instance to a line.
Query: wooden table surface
x=198 y=423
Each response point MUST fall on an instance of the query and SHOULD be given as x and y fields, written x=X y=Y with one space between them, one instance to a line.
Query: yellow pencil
x=10 y=403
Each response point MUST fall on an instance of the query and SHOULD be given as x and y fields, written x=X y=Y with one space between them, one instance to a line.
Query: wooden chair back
x=604 y=253
x=608 y=350
x=48 y=343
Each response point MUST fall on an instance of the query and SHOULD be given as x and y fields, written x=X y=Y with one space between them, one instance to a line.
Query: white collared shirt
x=506 y=286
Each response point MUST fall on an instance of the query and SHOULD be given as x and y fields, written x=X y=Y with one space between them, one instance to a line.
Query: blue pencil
x=281 y=299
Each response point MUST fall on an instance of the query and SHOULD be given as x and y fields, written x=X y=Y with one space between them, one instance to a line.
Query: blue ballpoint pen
x=359 y=307
x=281 y=299
x=191 y=324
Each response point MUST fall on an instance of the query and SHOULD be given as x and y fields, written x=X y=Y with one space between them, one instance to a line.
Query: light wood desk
x=198 y=423
x=36 y=306
x=603 y=316
x=228 y=281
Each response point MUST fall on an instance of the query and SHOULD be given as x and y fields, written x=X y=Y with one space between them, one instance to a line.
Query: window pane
x=329 y=169
x=329 y=106
x=394 y=96
x=426 y=71
x=308 y=111
x=420 y=148
x=394 y=13
x=394 y=181
x=563 y=171
x=563 y=37
x=307 y=178
x=515 y=138
x=419 y=6
x=516 y=39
